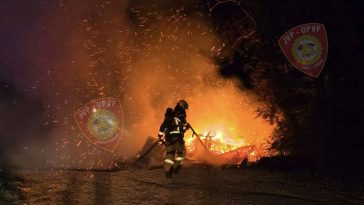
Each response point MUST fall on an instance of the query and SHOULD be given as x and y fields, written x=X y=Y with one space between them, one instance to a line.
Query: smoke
x=148 y=54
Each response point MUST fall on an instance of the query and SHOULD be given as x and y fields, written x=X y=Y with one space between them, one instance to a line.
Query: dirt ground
x=193 y=185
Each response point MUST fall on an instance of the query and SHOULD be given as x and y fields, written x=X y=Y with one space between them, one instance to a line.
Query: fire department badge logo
x=100 y=121
x=305 y=46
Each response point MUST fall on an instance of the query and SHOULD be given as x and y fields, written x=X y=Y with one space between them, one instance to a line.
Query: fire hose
x=199 y=139
x=151 y=147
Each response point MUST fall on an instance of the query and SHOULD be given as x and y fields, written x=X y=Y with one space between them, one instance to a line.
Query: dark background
x=323 y=122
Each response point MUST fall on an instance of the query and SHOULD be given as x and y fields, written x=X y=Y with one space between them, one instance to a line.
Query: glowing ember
x=149 y=57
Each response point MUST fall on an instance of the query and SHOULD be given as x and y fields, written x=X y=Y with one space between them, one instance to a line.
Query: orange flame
x=227 y=148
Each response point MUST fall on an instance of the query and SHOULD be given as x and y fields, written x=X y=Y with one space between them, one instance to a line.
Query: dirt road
x=195 y=185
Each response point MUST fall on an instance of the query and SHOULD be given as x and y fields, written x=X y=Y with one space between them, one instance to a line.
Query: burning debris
x=206 y=148
x=223 y=149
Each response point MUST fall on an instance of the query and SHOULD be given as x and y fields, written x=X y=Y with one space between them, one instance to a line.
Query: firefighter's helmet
x=183 y=104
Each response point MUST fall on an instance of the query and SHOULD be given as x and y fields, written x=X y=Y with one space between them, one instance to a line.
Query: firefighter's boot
x=179 y=158
x=169 y=160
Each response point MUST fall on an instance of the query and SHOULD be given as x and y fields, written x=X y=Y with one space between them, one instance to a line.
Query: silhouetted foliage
x=319 y=119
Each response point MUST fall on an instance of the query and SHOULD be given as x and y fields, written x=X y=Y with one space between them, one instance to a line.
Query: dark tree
x=319 y=119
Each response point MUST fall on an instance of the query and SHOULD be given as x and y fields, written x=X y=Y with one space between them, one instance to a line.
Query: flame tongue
x=225 y=148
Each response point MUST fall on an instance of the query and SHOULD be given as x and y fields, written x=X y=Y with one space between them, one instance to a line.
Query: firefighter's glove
x=160 y=142
x=186 y=127
x=160 y=135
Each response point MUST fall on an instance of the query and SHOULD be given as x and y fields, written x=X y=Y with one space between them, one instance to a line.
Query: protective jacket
x=174 y=125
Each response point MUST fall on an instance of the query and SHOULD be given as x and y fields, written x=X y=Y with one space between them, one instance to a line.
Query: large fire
x=227 y=125
x=222 y=148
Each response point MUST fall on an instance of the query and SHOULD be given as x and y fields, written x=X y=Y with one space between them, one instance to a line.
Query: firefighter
x=173 y=128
